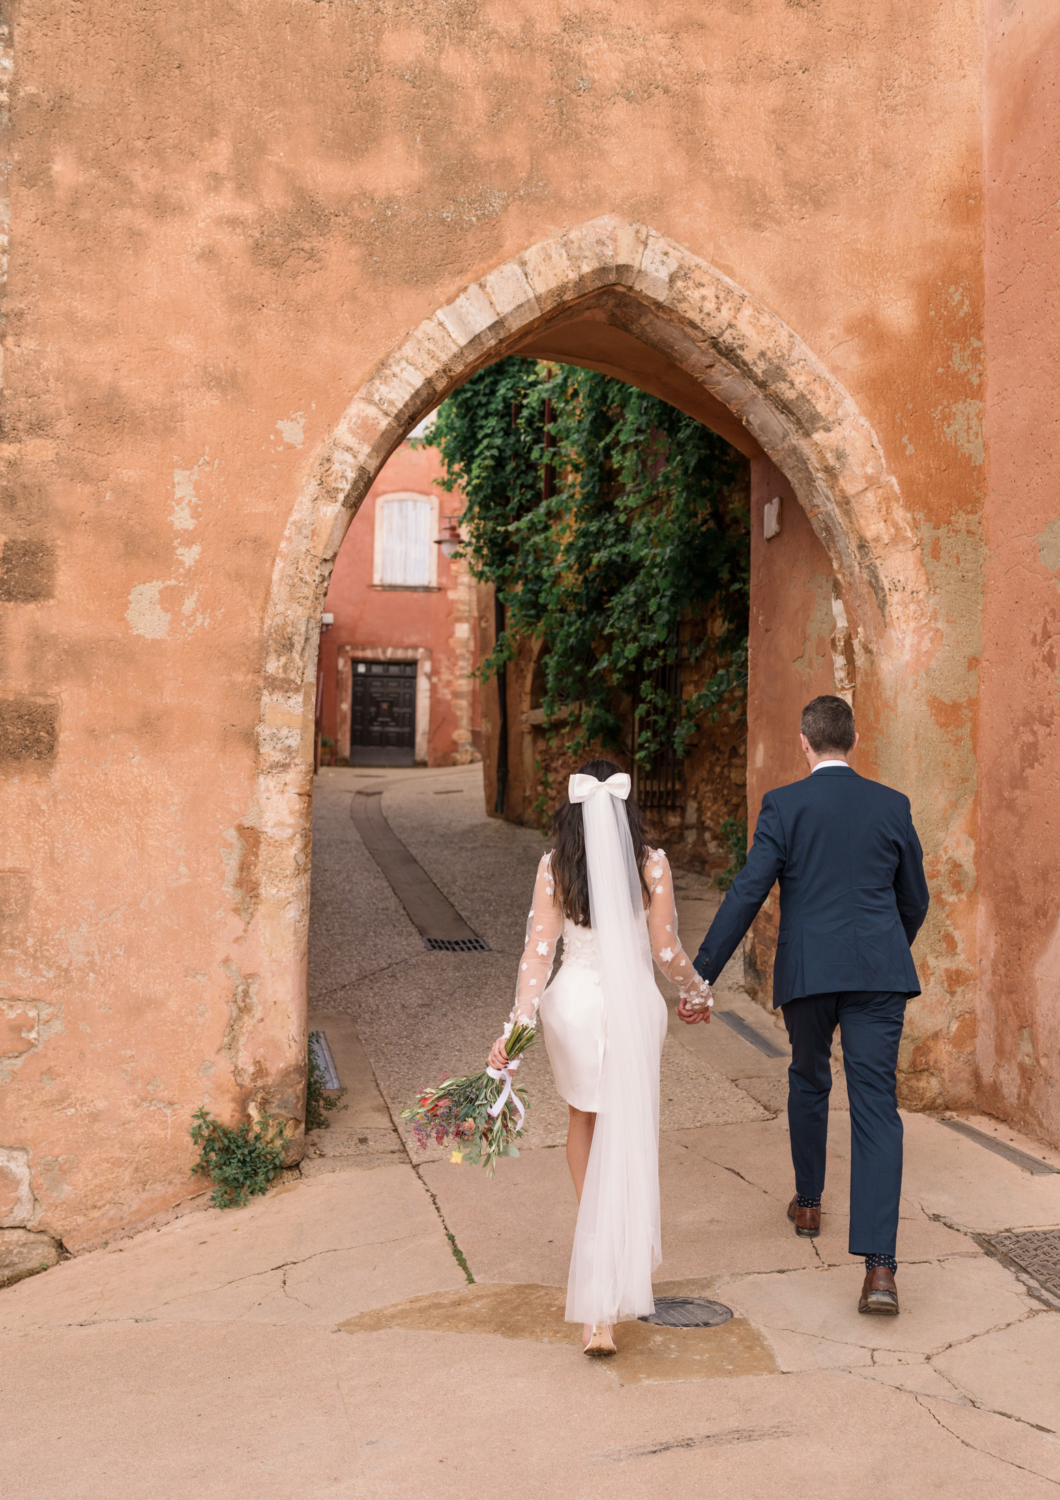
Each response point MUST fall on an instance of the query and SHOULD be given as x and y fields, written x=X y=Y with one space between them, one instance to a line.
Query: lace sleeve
x=543 y=928
x=666 y=947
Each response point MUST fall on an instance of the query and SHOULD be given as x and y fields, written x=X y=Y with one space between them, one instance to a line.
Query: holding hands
x=694 y=1007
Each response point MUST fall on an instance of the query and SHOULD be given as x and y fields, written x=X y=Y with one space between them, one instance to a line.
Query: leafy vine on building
x=613 y=530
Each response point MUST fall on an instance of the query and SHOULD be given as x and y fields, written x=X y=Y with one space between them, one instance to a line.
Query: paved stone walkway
x=326 y=1341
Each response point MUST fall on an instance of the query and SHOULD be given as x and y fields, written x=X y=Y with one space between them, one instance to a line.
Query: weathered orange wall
x=791 y=635
x=1019 y=723
x=223 y=217
x=367 y=615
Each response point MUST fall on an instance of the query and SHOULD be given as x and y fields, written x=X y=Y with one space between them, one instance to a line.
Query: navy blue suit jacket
x=852 y=889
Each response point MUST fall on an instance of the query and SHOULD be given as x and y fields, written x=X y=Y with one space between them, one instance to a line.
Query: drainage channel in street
x=440 y=925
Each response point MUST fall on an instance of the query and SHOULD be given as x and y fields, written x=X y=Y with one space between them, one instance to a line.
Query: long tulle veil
x=618 y=1242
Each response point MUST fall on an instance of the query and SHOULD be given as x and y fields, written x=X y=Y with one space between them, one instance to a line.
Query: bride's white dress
x=604 y=984
x=572 y=1006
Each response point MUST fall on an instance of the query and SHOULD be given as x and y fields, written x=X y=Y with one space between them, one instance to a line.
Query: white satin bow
x=580 y=788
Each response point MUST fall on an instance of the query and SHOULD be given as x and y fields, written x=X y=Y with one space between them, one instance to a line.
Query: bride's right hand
x=498 y=1058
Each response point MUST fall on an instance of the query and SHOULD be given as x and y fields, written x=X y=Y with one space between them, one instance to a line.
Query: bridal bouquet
x=482 y=1114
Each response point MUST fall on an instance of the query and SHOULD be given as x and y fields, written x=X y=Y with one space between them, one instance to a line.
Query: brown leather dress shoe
x=807 y=1221
x=879 y=1294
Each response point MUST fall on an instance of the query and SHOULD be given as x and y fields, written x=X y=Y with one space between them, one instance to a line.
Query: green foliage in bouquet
x=458 y=1112
x=240 y=1164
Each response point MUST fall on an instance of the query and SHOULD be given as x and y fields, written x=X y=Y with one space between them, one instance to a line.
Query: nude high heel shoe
x=601 y=1340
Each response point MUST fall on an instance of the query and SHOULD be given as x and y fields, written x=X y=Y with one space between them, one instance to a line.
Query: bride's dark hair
x=568 y=857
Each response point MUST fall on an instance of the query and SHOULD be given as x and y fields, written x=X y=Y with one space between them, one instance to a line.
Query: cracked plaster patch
x=17 y=1201
x=146 y=613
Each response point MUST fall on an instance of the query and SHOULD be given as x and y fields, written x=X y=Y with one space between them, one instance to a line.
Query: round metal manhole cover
x=688 y=1312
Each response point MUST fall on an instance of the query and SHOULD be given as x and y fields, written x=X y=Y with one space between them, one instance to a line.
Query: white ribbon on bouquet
x=507 y=1092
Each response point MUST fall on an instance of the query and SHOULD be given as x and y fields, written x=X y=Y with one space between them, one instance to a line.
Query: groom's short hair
x=828 y=724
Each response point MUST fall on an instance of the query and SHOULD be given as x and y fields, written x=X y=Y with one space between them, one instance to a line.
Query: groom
x=852 y=899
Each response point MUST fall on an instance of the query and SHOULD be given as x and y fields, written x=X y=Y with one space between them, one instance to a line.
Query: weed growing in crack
x=318 y=1099
x=240 y=1163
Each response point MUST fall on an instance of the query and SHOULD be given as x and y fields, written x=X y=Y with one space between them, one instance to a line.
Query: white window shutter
x=406 y=543
x=418 y=553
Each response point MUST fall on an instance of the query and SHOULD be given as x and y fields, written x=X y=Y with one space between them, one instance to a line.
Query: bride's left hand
x=690 y=1013
x=498 y=1058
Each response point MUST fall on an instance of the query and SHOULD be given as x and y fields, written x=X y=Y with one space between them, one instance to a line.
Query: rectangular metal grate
x=320 y=1052
x=1018 y=1158
x=457 y=945
x=749 y=1034
x=1033 y=1250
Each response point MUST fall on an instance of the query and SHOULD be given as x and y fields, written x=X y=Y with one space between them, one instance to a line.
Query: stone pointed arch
x=739 y=351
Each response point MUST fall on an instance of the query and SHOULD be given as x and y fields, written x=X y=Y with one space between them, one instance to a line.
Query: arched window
x=404 y=529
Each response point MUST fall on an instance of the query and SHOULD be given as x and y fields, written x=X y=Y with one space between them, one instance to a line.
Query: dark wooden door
x=383 y=713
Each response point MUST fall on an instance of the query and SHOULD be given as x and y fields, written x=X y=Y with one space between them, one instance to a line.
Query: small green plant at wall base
x=318 y=1099
x=240 y=1163
x=734 y=833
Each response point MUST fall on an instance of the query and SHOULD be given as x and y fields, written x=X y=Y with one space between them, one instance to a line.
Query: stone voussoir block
x=591 y=252
x=330 y=526
x=339 y=473
x=778 y=344
x=399 y=387
x=764 y=424
x=367 y=431
x=704 y=300
x=728 y=386
x=512 y=295
x=660 y=263
x=473 y=321
x=850 y=453
x=431 y=349
x=549 y=273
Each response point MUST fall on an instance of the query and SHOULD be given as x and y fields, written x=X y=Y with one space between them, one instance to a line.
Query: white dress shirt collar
x=822 y=763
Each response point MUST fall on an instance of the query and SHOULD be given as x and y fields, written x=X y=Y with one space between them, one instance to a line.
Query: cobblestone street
x=326 y=1341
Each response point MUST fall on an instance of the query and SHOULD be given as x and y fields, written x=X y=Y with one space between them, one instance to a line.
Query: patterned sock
x=801 y=1201
x=872 y=1261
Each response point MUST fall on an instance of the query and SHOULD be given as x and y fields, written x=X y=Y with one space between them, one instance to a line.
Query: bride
x=611 y=899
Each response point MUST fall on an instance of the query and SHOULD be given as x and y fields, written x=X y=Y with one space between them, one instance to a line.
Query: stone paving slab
x=1013 y=1369
x=361 y=1233
x=943 y=1303
x=970 y=1186
x=159 y=1412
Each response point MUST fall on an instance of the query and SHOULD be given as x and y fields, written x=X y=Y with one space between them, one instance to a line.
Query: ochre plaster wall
x=1018 y=831
x=223 y=217
x=791 y=636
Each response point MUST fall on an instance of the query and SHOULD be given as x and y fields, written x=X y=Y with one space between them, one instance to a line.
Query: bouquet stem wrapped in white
x=482 y=1114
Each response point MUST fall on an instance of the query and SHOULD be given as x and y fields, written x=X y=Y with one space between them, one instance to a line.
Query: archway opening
x=618 y=298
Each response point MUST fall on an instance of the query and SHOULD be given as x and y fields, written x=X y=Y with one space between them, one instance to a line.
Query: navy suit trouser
x=870 y=1027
